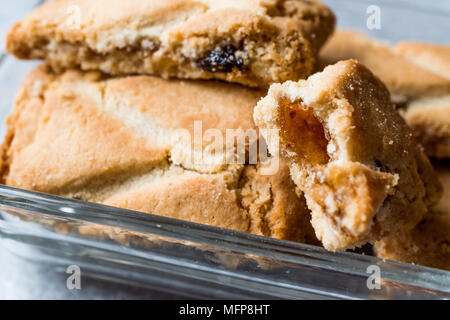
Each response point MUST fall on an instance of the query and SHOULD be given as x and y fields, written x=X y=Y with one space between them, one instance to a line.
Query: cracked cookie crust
x=117 y=142
x=351 y=153
x=253 y=42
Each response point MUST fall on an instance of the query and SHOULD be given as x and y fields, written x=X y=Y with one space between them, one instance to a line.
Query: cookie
x=430 y=120
x=428 y=244
x=422 y=94
x=433 y=57
x=362 y=172
x=254 y=42
x=122 y=142
x=430 y=117
x=405 y=80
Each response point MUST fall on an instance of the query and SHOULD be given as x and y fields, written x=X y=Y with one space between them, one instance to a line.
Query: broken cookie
x=411 y=74
x=253 y=42
x=351 y=153
x=405 y=80
x=122 y=142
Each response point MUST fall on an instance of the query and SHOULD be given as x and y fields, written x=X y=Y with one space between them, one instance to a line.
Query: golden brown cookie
x=351 y=153
x=252 y=42
x=430 y=120
x=405 y=80
x=433 y=57
x=428 y=244
x=423 y=94
x=121 y=142
x=430 y=117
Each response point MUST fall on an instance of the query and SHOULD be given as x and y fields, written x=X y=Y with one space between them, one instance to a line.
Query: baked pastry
x=252 y=42
x=405 y=80
x=351 y=153
x=433 y=57
x=121 y=142
x=428 y=244
x=430 y=117
x=422 y=94
x=430 y=120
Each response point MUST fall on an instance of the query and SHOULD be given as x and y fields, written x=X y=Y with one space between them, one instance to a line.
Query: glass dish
x=194 y=260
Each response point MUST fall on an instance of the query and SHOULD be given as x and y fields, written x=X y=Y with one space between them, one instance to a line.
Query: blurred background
x=421 y=20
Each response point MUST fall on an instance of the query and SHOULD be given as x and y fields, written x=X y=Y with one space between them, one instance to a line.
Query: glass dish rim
x=284 y=251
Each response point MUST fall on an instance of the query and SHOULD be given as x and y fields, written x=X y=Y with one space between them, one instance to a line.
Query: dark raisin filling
x=222 y=60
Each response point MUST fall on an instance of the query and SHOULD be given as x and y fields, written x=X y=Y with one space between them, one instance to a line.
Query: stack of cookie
x=137 y=100
x=109 y=118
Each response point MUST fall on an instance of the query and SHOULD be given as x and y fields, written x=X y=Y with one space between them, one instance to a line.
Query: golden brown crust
x=258 y=42
x=430 y=117
x=27 y=108
x=430 y=120
x=115 y=141
x=404 y=79
x=362 y=172
x=428 y=244
x=433 y=57
x=249 y=202
x=272 y=204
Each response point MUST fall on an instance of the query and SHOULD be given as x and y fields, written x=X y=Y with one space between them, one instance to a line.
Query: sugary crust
x=274 y=40
x=362 y=172
x=410 y=73
x=433 y=57
x=428 y=244
x=114 y=141
x=404 y=79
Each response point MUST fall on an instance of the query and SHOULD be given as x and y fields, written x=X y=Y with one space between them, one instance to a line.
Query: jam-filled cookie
x=363 y=174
